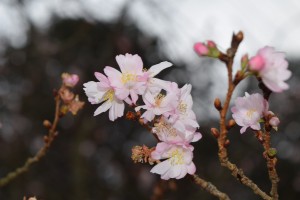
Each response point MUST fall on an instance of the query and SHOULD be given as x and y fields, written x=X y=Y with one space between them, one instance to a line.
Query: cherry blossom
x=178 y=161
x=103 y=91
x=248 y=111
x=156 y=105
x=272 y=68
x=126 y=82
x=166 y=132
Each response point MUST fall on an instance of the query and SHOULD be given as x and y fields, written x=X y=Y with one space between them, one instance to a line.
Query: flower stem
x=228 y=59
x=41 y=153
x=209 y=187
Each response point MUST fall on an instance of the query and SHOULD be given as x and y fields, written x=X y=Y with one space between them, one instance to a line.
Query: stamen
x=109 y=95
x=177 y=157
x=127 y=77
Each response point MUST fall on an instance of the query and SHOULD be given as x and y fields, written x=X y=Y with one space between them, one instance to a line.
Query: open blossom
x=182 y=115
x=154 y=85
x=248 y=111
x=272 y=68
x=178 y=163
x=126 y=82
x=167 y=133
x=103 y=91
x=156 y=105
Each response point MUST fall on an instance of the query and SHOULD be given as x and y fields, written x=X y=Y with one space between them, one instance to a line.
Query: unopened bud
x=211 y=44
x=46 y=139
x=47 y=124
x=215 y=132
x=227 y=142
x=239 y=36
x=274 y=121
x=130 y=115
x=201 y=49
x=218 y=104
x=272 y=152
x=231 y=123
x=257 y=63
x=244 y=62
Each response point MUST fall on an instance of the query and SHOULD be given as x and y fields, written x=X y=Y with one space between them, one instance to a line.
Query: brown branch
x=159 y=190
x=209 y=187
x=41 y=153
x=228 y=59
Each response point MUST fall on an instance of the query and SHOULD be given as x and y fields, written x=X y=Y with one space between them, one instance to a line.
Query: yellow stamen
x=182 y=107
x=158 y=99
x=250 y=112
x=164 y=127
x=109 y=95
x=127 y=77
x=177 y=157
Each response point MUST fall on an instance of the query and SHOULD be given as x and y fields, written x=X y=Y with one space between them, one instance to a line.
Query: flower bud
x=256 y=63
x=215 y=132
x=211 y=44
x=274 y=121
x=201 y=49
x=47 y=124
x=218 y=104
x=231 y=123
x=244 y=61
x=272 y=152
x=70 y=80
x=227 y=143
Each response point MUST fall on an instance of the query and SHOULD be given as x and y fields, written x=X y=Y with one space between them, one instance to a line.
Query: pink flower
x=102 y=91
x=201 y=49
x=178 y=163
x=126 y=82
x=154 y=85
x=274 y=121
x=248 y=111
x=156 y=105
x=272 y=68
x=167 y=133
x=182 y=115
x=70 y=80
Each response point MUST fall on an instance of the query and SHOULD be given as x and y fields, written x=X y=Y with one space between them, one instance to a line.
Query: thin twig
x=41 y=153
x=222 y=139
x=209 y=187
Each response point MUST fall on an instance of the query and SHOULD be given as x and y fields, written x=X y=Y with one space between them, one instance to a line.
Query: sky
x=178 y=25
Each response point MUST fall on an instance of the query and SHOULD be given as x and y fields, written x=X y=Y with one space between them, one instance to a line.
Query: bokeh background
x=90 y=159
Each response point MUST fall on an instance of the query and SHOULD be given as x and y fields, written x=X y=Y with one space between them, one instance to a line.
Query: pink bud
x=257 y=63
x=200 y=49
x=211 y=44
x=274 y=121
x=70 y=80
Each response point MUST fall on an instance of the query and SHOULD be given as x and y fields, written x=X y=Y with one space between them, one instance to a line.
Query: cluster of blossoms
x=71 y=102
x=268 y=65
x=251 y=110
x=166 y=105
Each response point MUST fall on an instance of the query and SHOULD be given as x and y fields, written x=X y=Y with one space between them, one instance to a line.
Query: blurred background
x=90 y=159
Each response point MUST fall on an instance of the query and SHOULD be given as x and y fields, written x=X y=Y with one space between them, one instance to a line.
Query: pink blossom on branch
x=102 y=91
x=249 y=110
x=178 y=161
x=272 y=68
x=70 y=80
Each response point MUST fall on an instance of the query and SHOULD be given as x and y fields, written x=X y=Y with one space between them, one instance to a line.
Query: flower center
x=109 y=95
x=128 y=77
x=177 y=157
x=250 y=112
x=165 y=128
x=158 y=99
x=182 y=107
